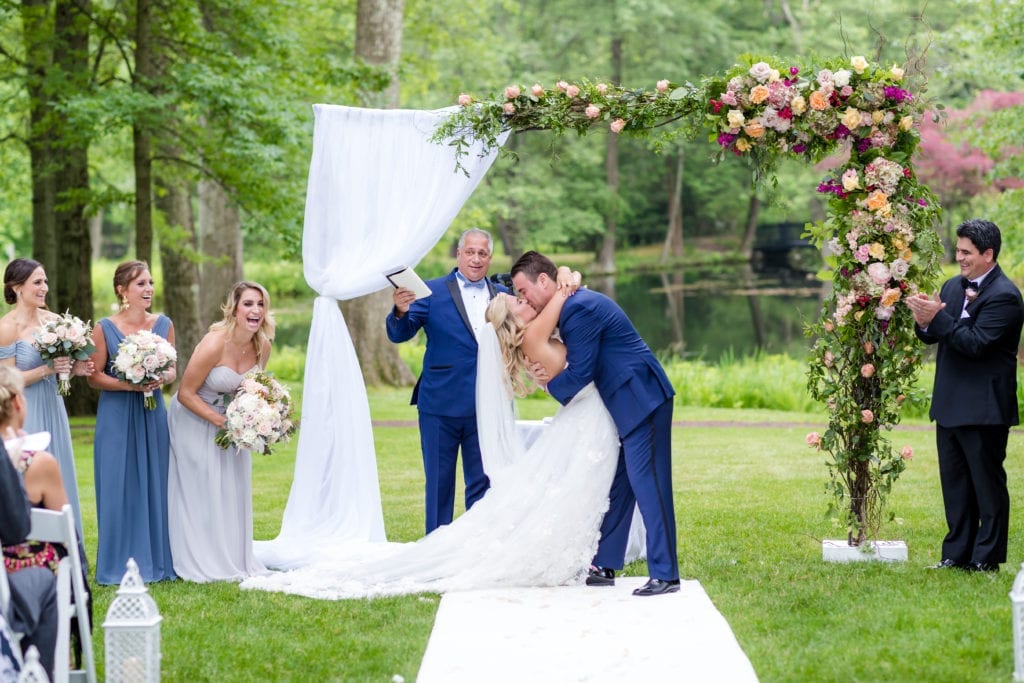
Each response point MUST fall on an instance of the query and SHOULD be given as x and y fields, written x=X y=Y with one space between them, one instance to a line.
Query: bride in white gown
x=538 y=524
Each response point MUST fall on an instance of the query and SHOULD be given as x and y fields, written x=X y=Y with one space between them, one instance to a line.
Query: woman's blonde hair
x=267 y=327
x=510 y=329
x=11 y=384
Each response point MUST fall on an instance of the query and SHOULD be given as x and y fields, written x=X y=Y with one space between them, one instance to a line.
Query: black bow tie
x=968 y=284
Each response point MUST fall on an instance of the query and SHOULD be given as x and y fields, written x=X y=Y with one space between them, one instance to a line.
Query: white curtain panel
x=380 y=195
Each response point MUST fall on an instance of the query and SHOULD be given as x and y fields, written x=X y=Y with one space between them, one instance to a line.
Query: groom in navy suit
x=445 y=393
x=976 y=321
x=603 y=347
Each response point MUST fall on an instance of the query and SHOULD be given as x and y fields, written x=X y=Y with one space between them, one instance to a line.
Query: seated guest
x=33 y=589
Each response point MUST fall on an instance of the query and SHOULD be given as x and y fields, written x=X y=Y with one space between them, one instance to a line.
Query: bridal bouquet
x=65 y=336
x=142 y=358
x=258 y=416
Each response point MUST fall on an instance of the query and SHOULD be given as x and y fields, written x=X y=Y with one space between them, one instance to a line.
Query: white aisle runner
x=581 y=633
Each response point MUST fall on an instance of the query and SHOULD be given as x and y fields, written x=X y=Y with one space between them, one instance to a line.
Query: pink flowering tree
x=879 y=235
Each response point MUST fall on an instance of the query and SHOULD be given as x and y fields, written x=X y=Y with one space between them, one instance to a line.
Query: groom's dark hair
x=532 y=264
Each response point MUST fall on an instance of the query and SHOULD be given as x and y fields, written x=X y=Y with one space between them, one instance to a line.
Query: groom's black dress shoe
x=983 y=567
x=657 y=587
x=600 y=576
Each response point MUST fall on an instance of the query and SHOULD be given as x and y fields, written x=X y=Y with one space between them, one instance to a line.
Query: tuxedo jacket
x=976 y=363
x=603 y=347
x=447 y=383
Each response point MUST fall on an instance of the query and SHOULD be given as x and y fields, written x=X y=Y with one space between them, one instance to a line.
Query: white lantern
x=1017 y=598
x=131 y=632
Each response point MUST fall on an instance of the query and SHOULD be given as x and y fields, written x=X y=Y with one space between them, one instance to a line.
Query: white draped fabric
x=379 y=195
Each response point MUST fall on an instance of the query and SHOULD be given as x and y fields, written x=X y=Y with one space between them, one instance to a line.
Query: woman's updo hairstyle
x=123 y=276
x=17 y=273
x=11 y=384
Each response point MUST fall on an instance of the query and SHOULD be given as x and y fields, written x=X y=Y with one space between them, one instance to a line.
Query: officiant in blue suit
x=445 y=393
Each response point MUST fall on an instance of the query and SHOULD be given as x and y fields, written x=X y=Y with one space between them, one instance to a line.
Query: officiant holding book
x=445 y=393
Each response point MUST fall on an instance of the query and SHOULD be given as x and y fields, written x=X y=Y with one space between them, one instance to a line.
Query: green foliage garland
x=879 y=233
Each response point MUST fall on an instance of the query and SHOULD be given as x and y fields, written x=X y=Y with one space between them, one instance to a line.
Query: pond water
x=685 y=313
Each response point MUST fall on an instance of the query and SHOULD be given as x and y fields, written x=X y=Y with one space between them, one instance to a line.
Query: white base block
x=886 y=551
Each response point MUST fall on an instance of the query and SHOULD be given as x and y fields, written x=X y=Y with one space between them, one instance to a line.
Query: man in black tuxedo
x=33 y=589
x=976 y=320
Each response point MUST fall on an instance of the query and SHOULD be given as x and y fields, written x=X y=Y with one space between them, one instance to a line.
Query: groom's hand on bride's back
x=539 y=374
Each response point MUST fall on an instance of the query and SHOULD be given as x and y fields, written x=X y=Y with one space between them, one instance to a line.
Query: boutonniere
x=971 y=294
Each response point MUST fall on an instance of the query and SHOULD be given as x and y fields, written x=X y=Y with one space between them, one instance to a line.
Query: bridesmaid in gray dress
x=25 y=287
x=210 y=488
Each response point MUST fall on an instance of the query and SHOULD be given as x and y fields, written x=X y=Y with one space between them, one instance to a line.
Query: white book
x=404 y=276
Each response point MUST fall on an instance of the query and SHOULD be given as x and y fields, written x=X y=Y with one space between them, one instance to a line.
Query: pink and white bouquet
x=258 y=416
x=65 y=336
x=142 y=358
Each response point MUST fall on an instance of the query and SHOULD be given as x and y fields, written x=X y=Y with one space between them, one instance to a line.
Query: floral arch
x=879 y=229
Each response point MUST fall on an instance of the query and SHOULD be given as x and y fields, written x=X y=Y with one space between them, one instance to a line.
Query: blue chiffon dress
x=46 y=413
x=131 y=454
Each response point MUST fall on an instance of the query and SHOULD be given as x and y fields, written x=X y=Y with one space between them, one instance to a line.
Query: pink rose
x=867 y=370
x=562 y=85
x=509 y=108
x=592 y=111
x=572 y=91
x=511 y=92
x=869 y=348
x=662 y=85
x=813 y=440
x=829 y=326
x=601 y=88
x=867 y=417
x=537 y=90
x=906 y=452
x=617 y=125
x=465 y=100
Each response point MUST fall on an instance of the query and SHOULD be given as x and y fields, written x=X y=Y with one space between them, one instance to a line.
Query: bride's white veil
x=500 y=445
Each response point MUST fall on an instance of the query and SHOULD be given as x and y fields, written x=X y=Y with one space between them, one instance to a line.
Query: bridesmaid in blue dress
x=131 y=448
x=25 y=287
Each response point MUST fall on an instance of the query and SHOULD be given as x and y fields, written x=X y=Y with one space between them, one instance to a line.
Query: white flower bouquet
x=142 y=358
x=258 y=416
x=65 y=336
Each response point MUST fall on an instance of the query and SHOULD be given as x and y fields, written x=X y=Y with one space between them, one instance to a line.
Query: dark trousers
x=643 y=476
x=441 y=438
x=974 y=492
x=34 y=597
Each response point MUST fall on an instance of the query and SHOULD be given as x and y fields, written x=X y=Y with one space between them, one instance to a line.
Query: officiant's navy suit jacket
x=976 y=362
x=603 y=346
x=447 y=384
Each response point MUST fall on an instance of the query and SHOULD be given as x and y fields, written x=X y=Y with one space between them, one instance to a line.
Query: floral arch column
x=879 y=234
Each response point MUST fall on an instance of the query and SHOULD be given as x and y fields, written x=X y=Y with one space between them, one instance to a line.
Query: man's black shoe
x=948 y=564
x=600 y=576
x=657 y=587
x=983 y=567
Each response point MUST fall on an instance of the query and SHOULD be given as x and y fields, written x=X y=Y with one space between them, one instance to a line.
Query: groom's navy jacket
x=603 y=346
x=447 y=384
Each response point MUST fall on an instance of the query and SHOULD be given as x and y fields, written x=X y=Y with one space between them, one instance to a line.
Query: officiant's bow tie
x=969 y=284
x=479 y=284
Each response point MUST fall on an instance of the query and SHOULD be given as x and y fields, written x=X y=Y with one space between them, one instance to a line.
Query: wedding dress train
x=538 y=524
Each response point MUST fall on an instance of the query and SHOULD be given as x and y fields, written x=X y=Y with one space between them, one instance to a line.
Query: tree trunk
x=141 y=140
x=220 y=229
x=673 y=246
x=606 y=258
x=36 y=39
x=180 y=285
x=378 y=42
x=74 y=289
x=750 y=233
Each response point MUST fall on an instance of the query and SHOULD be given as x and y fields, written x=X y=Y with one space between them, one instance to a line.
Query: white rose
x=841 y=78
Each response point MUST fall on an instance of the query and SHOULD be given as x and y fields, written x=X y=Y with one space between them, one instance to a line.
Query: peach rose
x=754 y=129
x=869 y=348
x=512 y=92
x=851 y=119
x=592 y=111
x=562 y=85
x=798 y=105
x=509 y=108
x=828 y=326
x=465 y=100
x=867 y=417
x=662 y=85
x=906 y=452
x=867 y=371
x=537 y=90
x=759 y=94
x=572 y=91
x=819 y=102
x=743 y=145
x=813 y=440
x=876 y=201
x=617 y=125
x=601 y=88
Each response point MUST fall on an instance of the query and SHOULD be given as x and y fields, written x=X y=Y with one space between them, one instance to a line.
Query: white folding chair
x=59 y=527
x=33 y=671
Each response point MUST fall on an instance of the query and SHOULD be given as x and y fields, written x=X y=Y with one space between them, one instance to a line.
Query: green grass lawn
x=750 y=506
